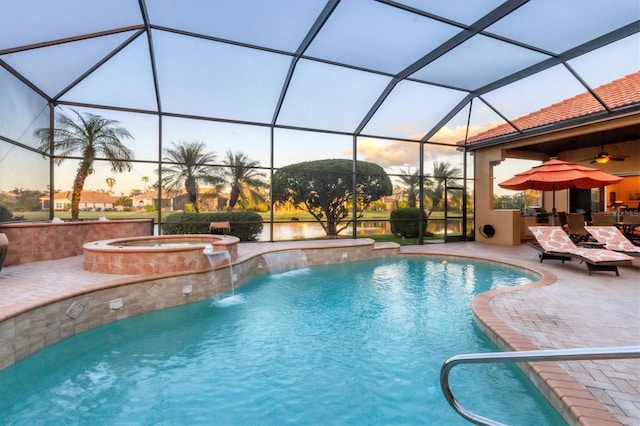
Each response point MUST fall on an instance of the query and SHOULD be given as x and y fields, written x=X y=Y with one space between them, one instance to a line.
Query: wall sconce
x=187 y=290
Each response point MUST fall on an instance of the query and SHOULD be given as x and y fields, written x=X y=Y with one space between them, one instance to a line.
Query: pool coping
x=575 y=404
x=570 y=398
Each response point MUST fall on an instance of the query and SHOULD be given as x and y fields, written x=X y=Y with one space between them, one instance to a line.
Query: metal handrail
x=620 y=352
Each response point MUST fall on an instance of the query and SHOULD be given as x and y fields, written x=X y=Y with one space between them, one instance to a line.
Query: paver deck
x=577 y=310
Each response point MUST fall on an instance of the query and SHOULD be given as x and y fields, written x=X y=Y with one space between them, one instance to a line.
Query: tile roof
x=616 y=94
x=86 y=197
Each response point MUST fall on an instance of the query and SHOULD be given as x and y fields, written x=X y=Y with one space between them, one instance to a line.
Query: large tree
x=93 y=137
x=324 y=188
x=186 y=166
x=243 y=178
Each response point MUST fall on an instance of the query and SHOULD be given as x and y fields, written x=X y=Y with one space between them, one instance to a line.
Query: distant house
x=60 y=201
x=89 y=201
x=147 y=199
x=208 y=201
x=391 y=201
x=10 y=197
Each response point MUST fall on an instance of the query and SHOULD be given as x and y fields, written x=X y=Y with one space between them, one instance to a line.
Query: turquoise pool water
x=355 y=344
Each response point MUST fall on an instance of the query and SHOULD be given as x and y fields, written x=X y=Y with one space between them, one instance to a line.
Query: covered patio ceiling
x=592 y=136
x=409 y=70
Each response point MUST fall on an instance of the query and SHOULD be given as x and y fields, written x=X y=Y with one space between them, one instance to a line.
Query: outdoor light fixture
x=116 y=304
x=602 y=158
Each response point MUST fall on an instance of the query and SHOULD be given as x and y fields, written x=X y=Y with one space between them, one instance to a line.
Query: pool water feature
x=219 y=261
x=358 y=343
x=286 y=260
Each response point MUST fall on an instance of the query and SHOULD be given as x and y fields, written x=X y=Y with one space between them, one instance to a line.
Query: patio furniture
x=613 y=239
x=554 y=243
x=220 y=228
x=555 y=175
x=603 y=219
x=630 y=225
x=576 y=226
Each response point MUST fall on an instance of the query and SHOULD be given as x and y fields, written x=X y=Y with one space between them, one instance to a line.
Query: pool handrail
x=576 y=354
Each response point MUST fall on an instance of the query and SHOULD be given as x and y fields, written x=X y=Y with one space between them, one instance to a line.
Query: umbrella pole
x=553 y=209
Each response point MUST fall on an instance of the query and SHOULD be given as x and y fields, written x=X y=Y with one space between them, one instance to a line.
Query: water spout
x=218 y=260
x=288 y=260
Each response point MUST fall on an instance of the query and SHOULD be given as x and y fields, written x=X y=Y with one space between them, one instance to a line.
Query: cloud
x=448 y=135
x=388 y=154
x=457 y=134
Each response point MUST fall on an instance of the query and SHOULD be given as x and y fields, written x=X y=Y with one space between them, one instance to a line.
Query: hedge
x=245 y=225
x=406 y=222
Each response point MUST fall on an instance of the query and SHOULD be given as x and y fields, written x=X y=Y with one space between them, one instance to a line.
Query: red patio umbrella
x=557 y=175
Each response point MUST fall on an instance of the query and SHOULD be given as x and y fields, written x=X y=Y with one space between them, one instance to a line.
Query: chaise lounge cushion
x=613 y=239
x=554 y=240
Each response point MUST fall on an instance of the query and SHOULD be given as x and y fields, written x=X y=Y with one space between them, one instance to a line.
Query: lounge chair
x=554 y=243
x=576 y=226
x=613 y=239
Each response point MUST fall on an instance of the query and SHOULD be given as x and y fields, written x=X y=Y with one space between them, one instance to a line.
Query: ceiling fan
x=604 y=157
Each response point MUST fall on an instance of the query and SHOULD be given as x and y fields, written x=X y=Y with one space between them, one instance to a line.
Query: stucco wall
x=505 y=222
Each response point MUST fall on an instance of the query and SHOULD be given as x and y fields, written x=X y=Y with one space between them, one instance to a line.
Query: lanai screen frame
x=428 y=140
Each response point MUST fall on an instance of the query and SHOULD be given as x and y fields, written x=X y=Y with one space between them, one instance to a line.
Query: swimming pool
x=358 y=343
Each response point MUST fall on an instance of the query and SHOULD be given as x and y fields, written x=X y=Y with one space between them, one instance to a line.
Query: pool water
x=354 y=344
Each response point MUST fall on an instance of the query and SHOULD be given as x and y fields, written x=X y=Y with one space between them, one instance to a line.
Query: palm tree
x=243 y=178
x=145 y=180
x=189 y=165
x=434 y=190
x=411 y=182
x=110 y=183
x=93 y=137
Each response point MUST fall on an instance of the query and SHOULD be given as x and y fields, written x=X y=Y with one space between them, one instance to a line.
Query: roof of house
x=616 y=94
x=86 y=197
x=149 y=195
x=8 y=196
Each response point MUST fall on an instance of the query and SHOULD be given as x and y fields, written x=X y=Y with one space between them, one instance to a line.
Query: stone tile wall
x=37 y=241
x=33 y=330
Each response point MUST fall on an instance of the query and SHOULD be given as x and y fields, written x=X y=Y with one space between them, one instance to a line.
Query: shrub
x=405 y=222
x=245 y=225
x=5 y=214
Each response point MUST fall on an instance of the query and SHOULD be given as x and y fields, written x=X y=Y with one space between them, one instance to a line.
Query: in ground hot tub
x=163 y=254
